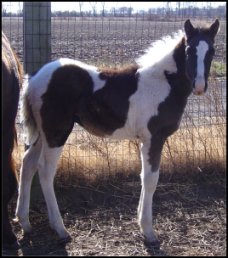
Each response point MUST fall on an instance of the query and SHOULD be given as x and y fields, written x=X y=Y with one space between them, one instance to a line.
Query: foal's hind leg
x=28 y=170
x=47 y=169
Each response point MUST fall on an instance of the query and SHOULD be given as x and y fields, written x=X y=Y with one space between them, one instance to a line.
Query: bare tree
x=168 y=9
x=178 y=7
x=114 y=8
x=103 y=7
x=94 y=7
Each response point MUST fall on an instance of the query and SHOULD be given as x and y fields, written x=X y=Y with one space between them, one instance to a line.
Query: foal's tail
x=31 y=132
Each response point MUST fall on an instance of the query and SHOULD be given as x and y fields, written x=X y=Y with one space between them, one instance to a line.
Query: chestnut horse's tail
x=12 y=162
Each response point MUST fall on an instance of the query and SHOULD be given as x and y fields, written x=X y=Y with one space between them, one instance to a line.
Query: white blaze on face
x=201 y=51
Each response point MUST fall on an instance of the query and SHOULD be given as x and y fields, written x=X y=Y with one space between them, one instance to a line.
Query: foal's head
x=199 y=54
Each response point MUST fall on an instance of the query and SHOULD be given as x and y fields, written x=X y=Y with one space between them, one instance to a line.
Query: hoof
x=64 y=240
x=26 y=226
x=155 y=244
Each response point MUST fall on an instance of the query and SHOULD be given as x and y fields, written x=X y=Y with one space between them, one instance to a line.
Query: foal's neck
x=178 y=80
x=179 y=57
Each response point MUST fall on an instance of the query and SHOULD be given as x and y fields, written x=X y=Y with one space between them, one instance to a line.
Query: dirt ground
x=189 y=218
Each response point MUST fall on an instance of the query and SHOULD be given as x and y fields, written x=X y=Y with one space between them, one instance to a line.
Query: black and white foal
x=144 y=101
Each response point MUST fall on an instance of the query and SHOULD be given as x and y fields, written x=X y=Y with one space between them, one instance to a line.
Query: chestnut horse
x=12 y=74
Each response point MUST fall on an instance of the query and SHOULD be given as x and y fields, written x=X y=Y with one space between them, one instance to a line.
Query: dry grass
x=89 y=157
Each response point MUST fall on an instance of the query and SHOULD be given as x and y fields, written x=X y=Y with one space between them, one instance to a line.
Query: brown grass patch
x=86 y=157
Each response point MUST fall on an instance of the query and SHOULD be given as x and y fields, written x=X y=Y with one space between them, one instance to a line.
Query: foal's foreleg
x=150 y=156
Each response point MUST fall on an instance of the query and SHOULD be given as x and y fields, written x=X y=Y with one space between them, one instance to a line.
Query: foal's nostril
x=198 y=93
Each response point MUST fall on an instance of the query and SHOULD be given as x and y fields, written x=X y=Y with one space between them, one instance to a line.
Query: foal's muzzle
x=199 y=86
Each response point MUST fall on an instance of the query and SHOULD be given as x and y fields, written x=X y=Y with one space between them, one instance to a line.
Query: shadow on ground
x=189 y=218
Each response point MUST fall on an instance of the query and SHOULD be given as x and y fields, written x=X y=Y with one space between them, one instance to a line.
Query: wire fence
x=116 y=36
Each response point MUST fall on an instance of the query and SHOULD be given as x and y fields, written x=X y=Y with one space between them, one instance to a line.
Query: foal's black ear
x=213 y=30
x=189 y=29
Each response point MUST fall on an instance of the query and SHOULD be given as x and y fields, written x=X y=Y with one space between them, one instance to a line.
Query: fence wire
x=116 y=37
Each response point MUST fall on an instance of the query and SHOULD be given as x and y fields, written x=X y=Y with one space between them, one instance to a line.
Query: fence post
x=37 y=35
x=37 y=52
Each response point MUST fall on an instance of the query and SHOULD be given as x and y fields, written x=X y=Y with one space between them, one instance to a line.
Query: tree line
x=151 y=13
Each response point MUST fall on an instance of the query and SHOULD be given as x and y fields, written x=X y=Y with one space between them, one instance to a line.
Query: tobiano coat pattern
x=144 y=101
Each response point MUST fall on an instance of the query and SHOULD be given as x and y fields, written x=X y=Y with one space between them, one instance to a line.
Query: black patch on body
x=60 y=102
x=106 y=110
x=70 y=98
x=171 y=109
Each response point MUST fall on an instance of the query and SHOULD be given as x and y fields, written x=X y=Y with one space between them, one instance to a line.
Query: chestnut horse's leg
x=9 y=187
